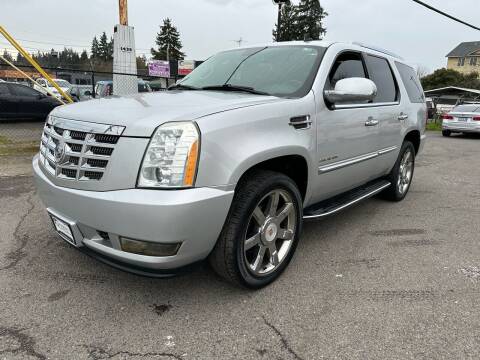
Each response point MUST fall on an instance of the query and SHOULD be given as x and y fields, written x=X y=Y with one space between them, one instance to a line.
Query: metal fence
x=22 y=136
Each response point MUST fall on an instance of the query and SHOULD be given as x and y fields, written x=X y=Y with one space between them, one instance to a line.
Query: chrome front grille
x=75 y=150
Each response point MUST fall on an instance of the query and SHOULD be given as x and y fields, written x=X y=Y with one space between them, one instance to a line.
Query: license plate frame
x=63 y=229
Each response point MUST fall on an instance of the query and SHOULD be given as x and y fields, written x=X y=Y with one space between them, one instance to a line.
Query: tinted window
x=380 y=73
x=280 y=70
x=412 y=84
x=4 y=89
x=347 y=65
x=21 y=90
x=467 y=108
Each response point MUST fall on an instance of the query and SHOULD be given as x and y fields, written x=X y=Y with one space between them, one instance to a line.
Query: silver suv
x=229 y=162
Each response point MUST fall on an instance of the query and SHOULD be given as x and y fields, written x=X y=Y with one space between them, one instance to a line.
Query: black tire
x=228 y=258
x=394 y=192
x=446 y=133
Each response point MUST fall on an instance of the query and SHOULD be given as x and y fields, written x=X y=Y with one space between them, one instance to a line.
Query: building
x=16 y=76
x=465 y=58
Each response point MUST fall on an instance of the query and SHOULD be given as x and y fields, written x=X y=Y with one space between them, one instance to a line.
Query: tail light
x=447 y=117
x=476 y=118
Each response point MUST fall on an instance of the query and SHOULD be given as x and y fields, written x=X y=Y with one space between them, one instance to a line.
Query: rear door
x=8 y=104
x=387 y=110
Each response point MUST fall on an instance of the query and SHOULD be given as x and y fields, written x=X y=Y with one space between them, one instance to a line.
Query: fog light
x=148 y=248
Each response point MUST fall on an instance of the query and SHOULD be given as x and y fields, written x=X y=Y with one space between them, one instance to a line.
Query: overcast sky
x=207 y=26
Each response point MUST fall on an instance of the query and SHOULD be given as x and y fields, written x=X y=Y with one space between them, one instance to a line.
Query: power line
x=445 y=14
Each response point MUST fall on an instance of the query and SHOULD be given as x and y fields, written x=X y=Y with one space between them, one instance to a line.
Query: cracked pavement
x=377 y=281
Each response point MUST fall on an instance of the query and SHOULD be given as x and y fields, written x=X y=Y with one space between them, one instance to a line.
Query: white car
x=45 y=85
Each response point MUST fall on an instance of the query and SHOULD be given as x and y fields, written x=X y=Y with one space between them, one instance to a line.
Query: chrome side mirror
x=352 y=90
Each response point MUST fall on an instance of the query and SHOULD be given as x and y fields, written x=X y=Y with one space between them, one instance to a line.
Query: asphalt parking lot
x=378 y=281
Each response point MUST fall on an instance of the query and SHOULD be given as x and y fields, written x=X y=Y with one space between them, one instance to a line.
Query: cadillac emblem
x=59 y=152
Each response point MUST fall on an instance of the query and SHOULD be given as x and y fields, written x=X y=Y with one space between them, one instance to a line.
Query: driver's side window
x=347 y=65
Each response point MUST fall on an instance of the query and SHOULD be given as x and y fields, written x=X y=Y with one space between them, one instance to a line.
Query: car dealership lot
x=377 y=281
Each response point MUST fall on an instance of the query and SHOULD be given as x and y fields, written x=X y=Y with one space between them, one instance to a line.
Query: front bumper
x=192 y=217
x=471 y=127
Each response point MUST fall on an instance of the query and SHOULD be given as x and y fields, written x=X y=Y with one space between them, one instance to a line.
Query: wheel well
x=414 y=138
x=293 y=166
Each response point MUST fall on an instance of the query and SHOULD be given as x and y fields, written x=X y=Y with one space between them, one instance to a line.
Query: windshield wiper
x=182 y=87
x=230 y=87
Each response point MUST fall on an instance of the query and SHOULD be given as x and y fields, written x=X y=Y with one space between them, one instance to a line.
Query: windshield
x=62 y=83
x=286 y=71
x=467 y=108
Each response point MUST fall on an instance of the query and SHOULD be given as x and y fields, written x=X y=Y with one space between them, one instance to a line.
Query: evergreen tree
x=309 y=20
x=7 y=56
x=168 y=42
x=288 y=31
x=95 y=48
x=84 y=57
x=104 y=47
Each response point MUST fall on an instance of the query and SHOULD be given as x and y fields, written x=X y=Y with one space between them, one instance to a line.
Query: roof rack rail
x=378 y=49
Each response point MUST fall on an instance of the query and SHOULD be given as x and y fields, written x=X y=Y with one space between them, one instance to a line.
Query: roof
x=464 y=49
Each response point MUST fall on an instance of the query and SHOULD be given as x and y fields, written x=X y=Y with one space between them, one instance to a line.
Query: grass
x=434 y=126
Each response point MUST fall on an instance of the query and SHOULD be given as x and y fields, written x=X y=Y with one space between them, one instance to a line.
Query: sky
x=207 y=26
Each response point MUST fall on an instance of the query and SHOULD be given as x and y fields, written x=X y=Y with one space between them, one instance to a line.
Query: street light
x=280 y=4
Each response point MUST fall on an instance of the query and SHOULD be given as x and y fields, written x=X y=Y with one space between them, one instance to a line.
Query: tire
x=401 y=181
x=446 y=133
x=270 y=238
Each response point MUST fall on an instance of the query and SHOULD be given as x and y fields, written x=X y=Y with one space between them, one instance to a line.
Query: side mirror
x=352 y=90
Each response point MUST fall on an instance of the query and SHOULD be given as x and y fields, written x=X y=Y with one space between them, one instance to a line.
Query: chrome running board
x=345 y=200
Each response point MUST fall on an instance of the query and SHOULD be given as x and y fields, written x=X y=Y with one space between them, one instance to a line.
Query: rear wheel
x=261 y=232
x=446 y=133
x=402 y=173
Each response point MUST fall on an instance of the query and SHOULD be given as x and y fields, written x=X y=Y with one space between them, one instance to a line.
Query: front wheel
x=446 y=133
x=402 y=173
x=261 y=232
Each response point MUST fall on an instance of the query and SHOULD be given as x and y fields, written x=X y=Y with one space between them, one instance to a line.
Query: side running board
x=342 y=201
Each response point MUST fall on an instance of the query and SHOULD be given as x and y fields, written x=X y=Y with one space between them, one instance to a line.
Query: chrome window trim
x=355 y=160
x=363 y=106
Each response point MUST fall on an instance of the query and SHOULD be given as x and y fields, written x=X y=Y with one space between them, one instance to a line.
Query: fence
x=21 y=136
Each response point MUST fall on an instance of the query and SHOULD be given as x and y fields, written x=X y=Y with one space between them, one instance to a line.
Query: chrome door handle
x=371 y=122
x=402 y=117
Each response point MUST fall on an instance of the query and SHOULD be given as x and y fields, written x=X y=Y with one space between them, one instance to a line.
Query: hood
x=141 y=114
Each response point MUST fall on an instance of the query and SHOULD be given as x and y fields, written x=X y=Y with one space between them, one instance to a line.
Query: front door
x=347 y=135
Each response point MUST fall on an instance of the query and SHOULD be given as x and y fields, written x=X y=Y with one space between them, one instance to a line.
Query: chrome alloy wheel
x=405 y=172
x=270 y=233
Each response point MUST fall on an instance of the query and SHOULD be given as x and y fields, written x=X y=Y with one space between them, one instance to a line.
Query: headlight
x=171 y=157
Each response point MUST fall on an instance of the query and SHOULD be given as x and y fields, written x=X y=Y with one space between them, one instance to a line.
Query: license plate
x=63 y=229
x=465 y=119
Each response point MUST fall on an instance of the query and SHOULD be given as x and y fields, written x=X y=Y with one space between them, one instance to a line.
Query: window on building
x=461 y=61
x=473 y=61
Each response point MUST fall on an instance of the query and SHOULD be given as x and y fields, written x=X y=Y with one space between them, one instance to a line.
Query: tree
x=105 y=48
x=168 y=43
x=449 y=77
x=7 y=56
x=95 y=50
x=288 y=31
x=309 y=20
x=84 y=57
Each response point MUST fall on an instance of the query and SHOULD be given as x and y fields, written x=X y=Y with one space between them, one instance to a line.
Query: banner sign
x=159 y=68
x=185 y=67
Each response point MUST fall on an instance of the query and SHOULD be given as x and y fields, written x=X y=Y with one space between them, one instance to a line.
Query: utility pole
x=123 y=7
x=279 y=21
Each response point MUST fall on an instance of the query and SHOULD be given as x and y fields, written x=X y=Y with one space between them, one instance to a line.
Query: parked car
x=45 y=85
x=462 y=119
x=227 y=164
x=81 y=92
x=22 y=102
x=105 y=88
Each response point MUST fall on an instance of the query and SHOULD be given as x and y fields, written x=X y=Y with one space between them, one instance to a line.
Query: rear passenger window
x=380 y=73
x=412 y=84
x=347 y=65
